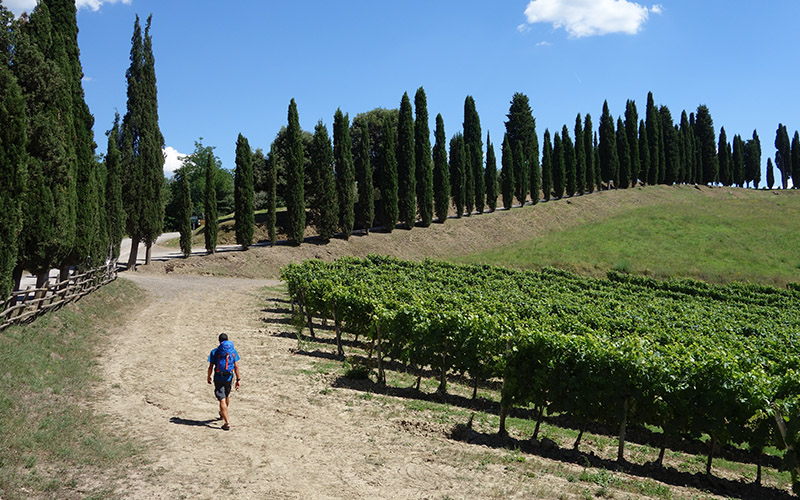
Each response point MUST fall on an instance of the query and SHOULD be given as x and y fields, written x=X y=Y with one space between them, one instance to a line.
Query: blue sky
x=230 y=67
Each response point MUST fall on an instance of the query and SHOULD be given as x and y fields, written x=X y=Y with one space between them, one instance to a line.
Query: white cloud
x=582 y=18
x=657 y=9
x=173 y=160
x=20 y=6
x=523 y=28
x=544 y=43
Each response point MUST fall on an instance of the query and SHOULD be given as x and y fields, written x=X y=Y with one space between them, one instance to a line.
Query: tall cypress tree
x=473 y=142
x=345 y=171
x=185 y=213
x=558 y=166
x=272 y=195
x=783 y=154
x=644 y=151
x=723 y=151
x=441 y=172
x=624 y=153
x=457 y=172
x=490 y=179
x=244 y=222
x=521 y=127
x=469 y=181
x=365 y=209
x=295 y=180
x=738 y=161
x=752 y=160
x=569 y=161
x=13 y=172
x=211 y=226
x=506 y=173
x=322 y=165
x=388 y=177
x=406 y=165
x=598 y=178
x=670 y=146
x=770 y=174
x=115 y=213
x=588 y=150
x=580 y=158
x=653 y=134
x=796 y=160
x=632 y=135
x=686 y=149
x=704 y=130
x=547 y=166
x=609 y=157
x=422 y=155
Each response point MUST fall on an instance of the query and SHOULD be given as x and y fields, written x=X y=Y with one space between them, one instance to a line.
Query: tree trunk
x=539 y=417
x=310 y=323
x=710 y=454
x=475 y=389
x=134 y=254
x=758 y=468
x=42 y=280
x=503 y=414
x=578 y=440
x=623 y=424
x=147 y=253
x=443 y=375
x=660 y=460
x=338 y=328
x=381 y=374
x=419 y=380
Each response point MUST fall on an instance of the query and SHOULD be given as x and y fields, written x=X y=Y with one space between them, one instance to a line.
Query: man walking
x=223 y=362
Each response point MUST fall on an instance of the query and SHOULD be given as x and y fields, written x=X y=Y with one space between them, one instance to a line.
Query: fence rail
x=23 y=306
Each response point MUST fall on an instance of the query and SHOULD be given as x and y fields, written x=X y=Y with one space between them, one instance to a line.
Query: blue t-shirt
x=212 y=358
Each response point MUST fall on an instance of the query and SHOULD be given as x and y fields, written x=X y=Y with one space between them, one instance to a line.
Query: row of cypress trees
x=60 y=207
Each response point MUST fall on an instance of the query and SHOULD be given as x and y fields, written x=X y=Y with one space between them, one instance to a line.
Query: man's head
x=223 y=337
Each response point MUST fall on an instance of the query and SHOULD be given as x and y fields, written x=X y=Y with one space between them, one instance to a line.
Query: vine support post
x=338 y=328
x=713 y=444
x=503 y=414
x=381 y=374
x=539 y=416
x=623 y=425
x=443 y=375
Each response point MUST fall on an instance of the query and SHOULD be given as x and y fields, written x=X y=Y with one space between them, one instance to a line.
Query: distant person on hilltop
x=223 y=362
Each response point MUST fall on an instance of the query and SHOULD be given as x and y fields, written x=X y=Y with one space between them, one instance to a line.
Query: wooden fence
x=23 y=306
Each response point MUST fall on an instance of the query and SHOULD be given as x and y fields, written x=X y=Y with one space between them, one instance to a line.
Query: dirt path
x=293 y=435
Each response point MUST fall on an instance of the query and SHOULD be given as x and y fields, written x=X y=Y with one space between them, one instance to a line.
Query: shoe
x=226 y=427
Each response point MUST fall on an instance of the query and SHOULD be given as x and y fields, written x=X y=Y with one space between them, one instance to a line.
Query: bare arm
x=236 y=371
x=210 y=371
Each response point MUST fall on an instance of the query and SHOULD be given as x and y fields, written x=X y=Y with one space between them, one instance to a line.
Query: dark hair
x=223 y=337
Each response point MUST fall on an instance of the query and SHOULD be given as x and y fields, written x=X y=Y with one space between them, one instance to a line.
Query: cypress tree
x=609 y=157
x=686 y=149
x=422 y=155
x=345 y=171
x=244 y=223
x=632 y=134
x=211 y=227
x=506 y=173
x=796 y=160
x=102 y=243
x=558 y=167
x=653 y=140
x=322 y=166
x=521 y=127
x=473 y=144
x=598 y=178
x=457 y=172
x=441 y=172
x=115 y=213
x=738 y=161
x=623 y=179
x=752 y=160
x=783 y=154
x=295 y=181
x=770 y=173
x=547 y=167
x=271 y=178
x=670 y=147
x=13 y=172
x=704 y=130
x=469 y=181
x=365 y=208
x=518 y=158
x=406 y=164
x=388 y=178
x=588 y=150
x=569 y=161
x=723 y=151
x=644 y=152
x=185 y=213
x=580 y=158
x=490 y=180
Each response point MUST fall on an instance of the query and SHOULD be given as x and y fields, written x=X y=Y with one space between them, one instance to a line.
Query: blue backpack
x=225 y=358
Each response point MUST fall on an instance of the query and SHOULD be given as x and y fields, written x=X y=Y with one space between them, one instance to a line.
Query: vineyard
x=692 y=359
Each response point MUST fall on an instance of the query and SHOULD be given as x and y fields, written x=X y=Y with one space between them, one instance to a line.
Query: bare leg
x=223 y=409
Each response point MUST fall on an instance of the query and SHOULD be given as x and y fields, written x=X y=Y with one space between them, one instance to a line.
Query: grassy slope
x=53 y=445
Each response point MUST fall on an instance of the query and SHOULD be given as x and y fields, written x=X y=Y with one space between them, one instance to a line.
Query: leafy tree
x=185 y=214
x=490 y=179
x=632 y=134
x=752 y=160
x=738 y=161
x=244 y=223
x=518 y=157
x=796 y=160
x=271 y=190
x=13 y=173
x=588 y=150
x=473 y=144
x=569 y=161
x=521 y=127
x=326 y=210
x=295 y=180
x=422 y=155
x=387 y=180
x=609 y=157
x=457 y=172
x=652 y=124
x=441 y=172
x=704 y=130
x=770 y=173
x=380 y=123
x=547 y=167
x=506 y=173
x=723 y=152
x=210 y=207
x=783 y=154
x=623 y=179
x=365 y=208
x=406 y=164
x=115 y=213
x=558 y=167
x=580 y=157
x=670 y=147
x=345 y=171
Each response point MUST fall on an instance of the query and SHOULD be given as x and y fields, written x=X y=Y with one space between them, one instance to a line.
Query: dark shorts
x=222 y=388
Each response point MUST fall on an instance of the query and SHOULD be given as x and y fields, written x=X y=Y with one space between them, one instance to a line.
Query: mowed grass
x=53 y=445
x=746 y=236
